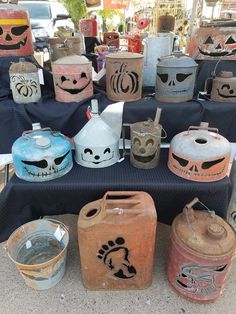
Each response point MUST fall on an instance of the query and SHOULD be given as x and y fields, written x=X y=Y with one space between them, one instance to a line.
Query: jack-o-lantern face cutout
x=213 y=43
x=74 y=85
x=124 y=81
x=98 y=157
x=15 y=33
x=145 y=145
x=111 y=39
x=227 y=91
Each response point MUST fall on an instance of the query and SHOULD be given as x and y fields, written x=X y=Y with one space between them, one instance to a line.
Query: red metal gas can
x=116 y=236
x=201 y=253
x=16 y=37
x=134 y=43
x=89 y=27
x=111 y=39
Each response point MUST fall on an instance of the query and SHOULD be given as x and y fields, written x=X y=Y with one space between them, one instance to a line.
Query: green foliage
x=77 y=9
x=108 y=15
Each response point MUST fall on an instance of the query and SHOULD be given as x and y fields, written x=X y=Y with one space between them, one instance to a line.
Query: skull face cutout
x=46 y=169
x=176 y=83
x=97 y=157
x=15 y=33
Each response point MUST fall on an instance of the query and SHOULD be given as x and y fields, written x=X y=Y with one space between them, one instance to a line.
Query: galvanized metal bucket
x=38 y=249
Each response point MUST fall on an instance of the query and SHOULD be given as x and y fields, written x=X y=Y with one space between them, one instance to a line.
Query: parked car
x=45 y=18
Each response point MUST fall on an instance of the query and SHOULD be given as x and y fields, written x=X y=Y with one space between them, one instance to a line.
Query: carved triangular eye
x=181 y=161
x=209 y=41
x=209 y=164
x=219 y=46
x=230 y=40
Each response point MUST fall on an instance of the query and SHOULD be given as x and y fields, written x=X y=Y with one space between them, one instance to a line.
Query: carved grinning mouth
x=15 y=46
x=75 y=90
x=45 y=174
x=217 y=53
x=144 y=159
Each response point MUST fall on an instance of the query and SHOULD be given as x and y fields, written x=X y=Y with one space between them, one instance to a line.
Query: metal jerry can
x=24 y=80
x=116 y=237
x=16 y=36
x=201 y=253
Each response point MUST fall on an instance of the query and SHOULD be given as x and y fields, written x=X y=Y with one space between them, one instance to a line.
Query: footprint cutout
x=115 y=256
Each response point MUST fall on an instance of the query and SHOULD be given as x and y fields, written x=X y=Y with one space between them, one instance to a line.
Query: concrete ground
x=69 y=295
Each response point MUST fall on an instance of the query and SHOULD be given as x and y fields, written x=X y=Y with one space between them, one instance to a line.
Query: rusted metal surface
x=166 y=23
x=88 y=27
x=16 y=37
x=38 y=250
x=111 y=39
x=124 y=76
x=24 y=81
x=213 y=43
x=224 y=87
x=199 y=154
x=61 y=47
x=72 y=76
x=116 y=238
x=202 y=249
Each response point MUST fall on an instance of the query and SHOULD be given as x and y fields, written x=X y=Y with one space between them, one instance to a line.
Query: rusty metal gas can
x=134 y=43
x=124 y=76
x=166 y=23
x=16 y=36
x=224 y=87
x=89 y=27
x=116 y=236
x=111 y=39
x=24 y=81
x=202 y=249
x=72 y=77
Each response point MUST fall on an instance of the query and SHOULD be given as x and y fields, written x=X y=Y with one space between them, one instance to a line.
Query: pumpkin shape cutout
x=72 y=76
x=213 y=43
x=145 y=144
x=96 y=144
x=24 y=81
x=15 y=31
x=111 y=39
x=175 y=78
x=224 y=87
x=88 y=27
x=199 y=155
x=41 y=155
x=124 y=76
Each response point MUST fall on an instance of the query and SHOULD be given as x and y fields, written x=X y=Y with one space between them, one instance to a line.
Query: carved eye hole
x=219 y=46
x=88 y=151
x=181 y=161
x=40 y=164
x=209 y=41
x=209 y=164
x=107 y=150
x=1 y=30
x=59 y=160
x=180 y=77
x=19 y=30
x=225 y=86
x=230 y=40
x=63 y=79
x=163 y=77
x=137 y=141
x=83 y=74
x=149 y=142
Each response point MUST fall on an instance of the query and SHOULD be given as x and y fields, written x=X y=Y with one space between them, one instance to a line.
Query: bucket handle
x=202 y=127
x=58 y=222
x=54 y=133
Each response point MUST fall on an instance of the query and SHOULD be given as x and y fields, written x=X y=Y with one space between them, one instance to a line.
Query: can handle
x=58 y=222
x=202 y=127
x=54 y=133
